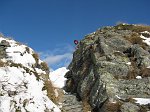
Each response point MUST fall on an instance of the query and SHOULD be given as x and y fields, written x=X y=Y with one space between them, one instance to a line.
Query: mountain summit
x=24 y=80
x=110 y=70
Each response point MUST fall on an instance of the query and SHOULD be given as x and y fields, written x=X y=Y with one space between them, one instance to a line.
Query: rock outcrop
x=111 y=67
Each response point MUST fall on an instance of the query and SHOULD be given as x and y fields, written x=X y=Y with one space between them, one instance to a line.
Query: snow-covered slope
x=23 y=79
x=57 y=77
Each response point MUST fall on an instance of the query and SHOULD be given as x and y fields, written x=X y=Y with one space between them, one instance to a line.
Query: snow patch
x=57 y=77
x=19 y=86
x=145 y=39
x=18 y=54
x=142 y=101
x=138 y=77
x=146 y=32
x=19 y=89
x=129 y=63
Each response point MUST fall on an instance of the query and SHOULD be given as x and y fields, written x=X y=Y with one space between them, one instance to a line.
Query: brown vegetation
x=16 y=65
x=85 y=101
x=27 y=49
x=135 y=39
x=145 y=72
x=86 y=105
x=112 y=106
x=131 y=75
x=50 y=90
x=2 y=64
x=36 y=57
x=134 y=28
x=44 y=67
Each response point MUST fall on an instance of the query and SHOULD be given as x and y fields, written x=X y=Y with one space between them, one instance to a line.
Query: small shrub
x=134 y=38
x=27 y=49
x=36 y=75
x=44 y=67
x=112 y=107
x=16 y=65
x=2 y=64
x=145 y=72
x=131 y=75
x=133 y=72
x=36 y=57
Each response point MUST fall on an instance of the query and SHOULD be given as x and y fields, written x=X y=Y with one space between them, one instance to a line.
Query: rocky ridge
x=110 y=69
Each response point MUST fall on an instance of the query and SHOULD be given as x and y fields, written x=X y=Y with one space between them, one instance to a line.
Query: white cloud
x=54 y=59
x=61 y=56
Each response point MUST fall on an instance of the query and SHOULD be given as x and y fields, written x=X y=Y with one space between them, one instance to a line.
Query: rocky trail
x=70 y=104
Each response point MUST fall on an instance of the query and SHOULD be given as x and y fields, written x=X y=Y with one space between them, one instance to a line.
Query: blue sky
x=50 y=26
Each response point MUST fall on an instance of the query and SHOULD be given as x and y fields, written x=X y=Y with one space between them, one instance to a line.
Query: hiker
x=76 y=42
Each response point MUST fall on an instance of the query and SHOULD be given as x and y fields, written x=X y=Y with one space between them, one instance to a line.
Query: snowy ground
x=57 y=77
x=19 y=89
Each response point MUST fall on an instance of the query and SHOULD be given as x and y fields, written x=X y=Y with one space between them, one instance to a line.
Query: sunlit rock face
x=111 y=67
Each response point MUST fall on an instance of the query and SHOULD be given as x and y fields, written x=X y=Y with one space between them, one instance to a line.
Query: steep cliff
x=24 y=80
x=110 y=69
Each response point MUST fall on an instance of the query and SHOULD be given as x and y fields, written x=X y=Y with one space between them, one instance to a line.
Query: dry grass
x=26 y=69
x=131 y=75
x=145 y=72
x=85 y=101
x=2 y=64
x=36 y=57
x=135 y=39
x=86 y=105
x=112 y=107
x=134 y=71
x=134 y=28
x=44 y=67
x=141 y=28
x=60 y=96
x=27 y=49
x=50 y=90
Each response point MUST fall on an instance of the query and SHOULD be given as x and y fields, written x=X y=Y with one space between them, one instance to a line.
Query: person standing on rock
x=76 y=42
